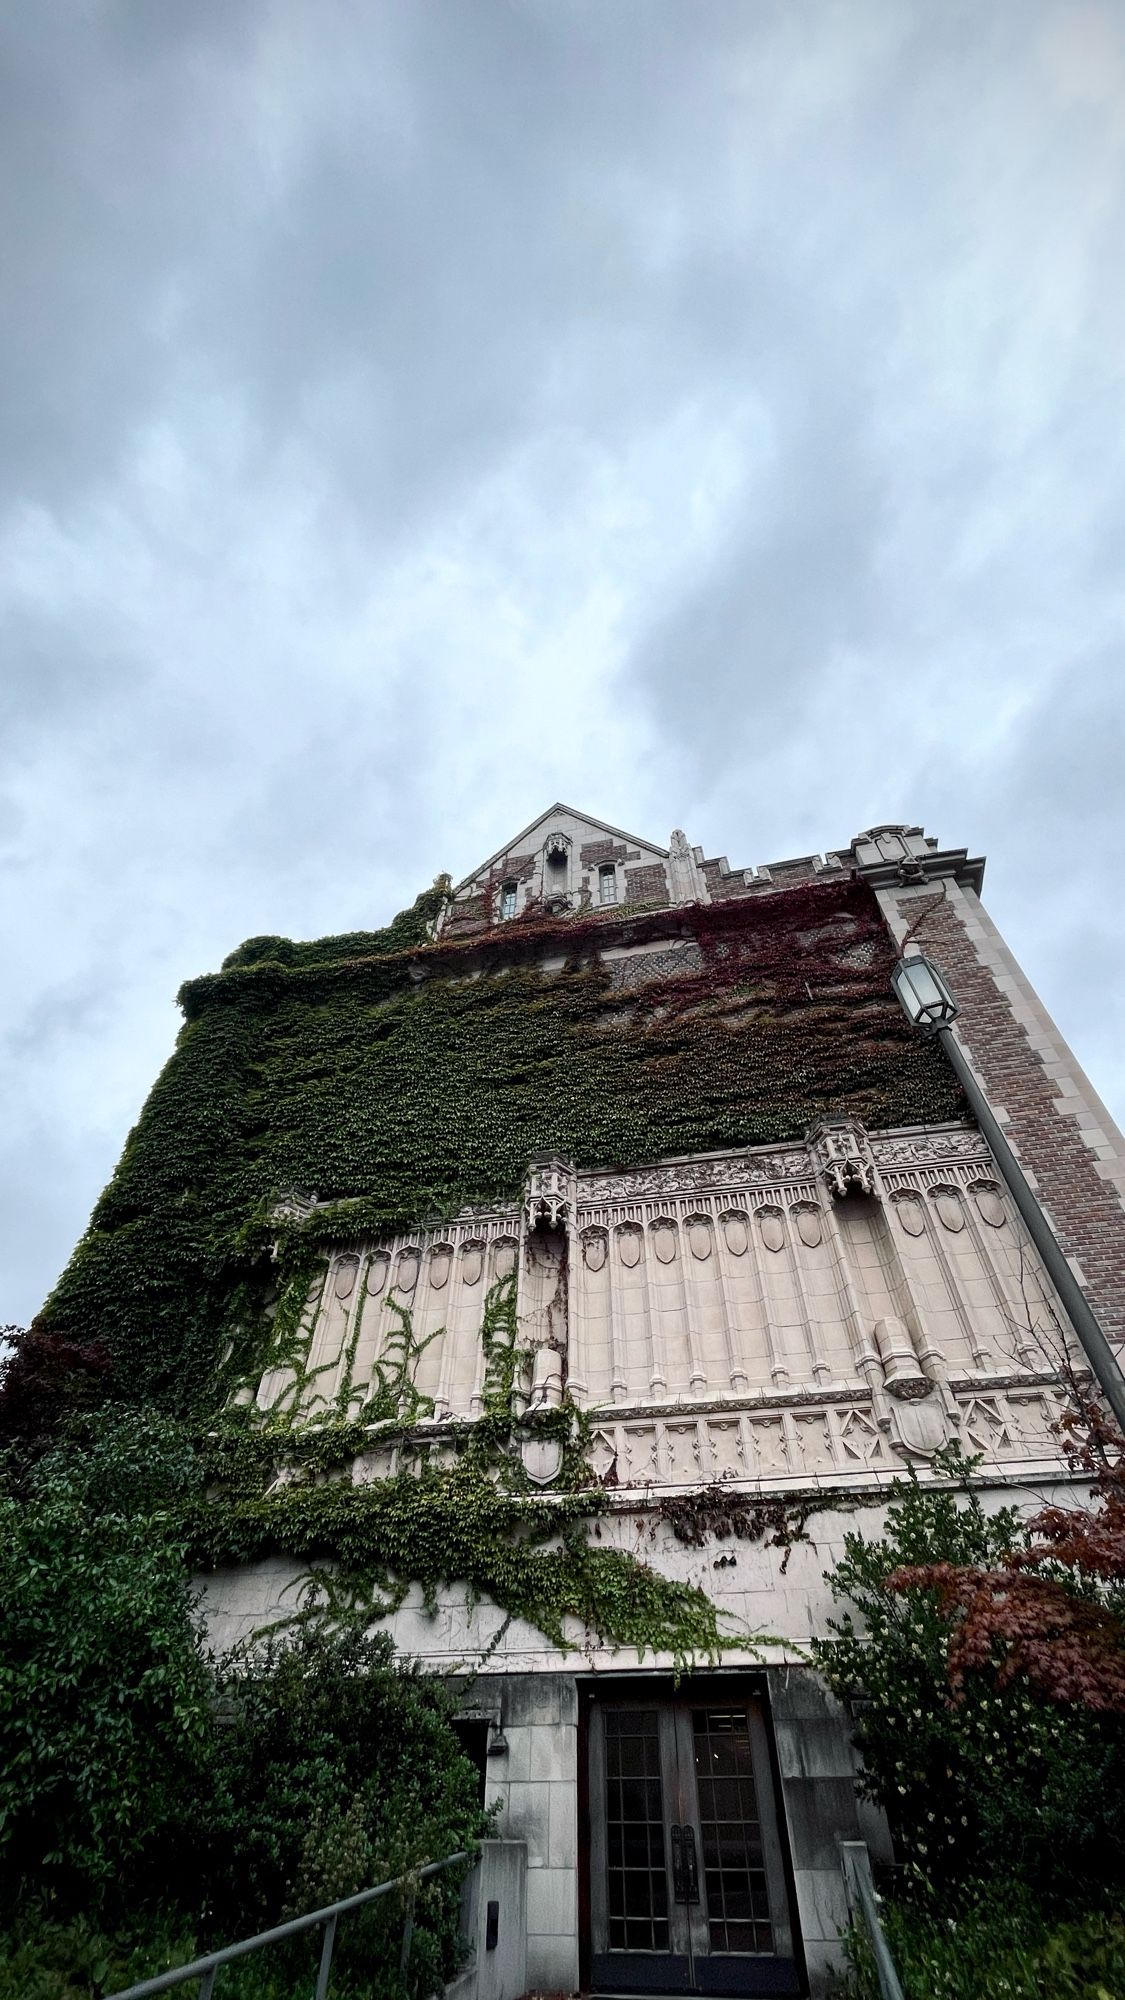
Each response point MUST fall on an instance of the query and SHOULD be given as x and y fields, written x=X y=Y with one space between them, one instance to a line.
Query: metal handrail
x=205 y=1969
x=860 y=1884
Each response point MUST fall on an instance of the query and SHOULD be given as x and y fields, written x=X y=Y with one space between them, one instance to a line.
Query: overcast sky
x=708 y=412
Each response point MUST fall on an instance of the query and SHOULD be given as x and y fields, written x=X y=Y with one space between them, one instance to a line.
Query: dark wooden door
x=687 y=1888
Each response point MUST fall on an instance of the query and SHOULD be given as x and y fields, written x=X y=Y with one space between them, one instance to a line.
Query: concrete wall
x=499 y=1971
x=535 y=1784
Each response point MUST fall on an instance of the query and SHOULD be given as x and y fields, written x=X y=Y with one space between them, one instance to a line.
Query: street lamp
x=926 y=999
x=930 y=1006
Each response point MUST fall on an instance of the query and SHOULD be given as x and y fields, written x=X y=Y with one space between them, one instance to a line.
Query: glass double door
x=687 y=1887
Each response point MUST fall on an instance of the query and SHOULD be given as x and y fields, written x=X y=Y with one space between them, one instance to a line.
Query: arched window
x=607 y=884
x=508 y=899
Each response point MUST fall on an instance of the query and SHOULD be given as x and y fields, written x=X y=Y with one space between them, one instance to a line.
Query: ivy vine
x=402 y=1078
x=399 y=1098
x=275 y=1484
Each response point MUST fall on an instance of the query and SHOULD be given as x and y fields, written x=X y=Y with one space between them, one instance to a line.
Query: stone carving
x=549 y=1196
x=990 y=1207
x=908 y=1210
x=692 y=1176
x=858 y=1439
x=629 y=1245
x=699 y=1237
x=638 y=968
x=918 y=1429
x=842 y=1157
x=292 y=1206
x=950 y=1212
x=772 y=1228
x=686 y=881
x=542 y=1458
x=928 y=1149
x=347 y=1269
x=504 y=1261
x=593 y=1248
x=657 y=1288
x=902 y=1371
x=807 y=1219
x=735 y=1232
x=664 y=1242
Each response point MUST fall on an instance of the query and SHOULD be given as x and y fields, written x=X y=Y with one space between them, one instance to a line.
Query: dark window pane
x=737 y=1904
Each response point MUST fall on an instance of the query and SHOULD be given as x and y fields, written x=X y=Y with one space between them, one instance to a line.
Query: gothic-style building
x=756 y=1242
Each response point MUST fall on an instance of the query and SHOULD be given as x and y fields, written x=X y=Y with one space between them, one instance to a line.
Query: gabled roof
x=600 y=826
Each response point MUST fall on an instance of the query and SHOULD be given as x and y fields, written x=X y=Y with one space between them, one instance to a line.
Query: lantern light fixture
x=925 y=998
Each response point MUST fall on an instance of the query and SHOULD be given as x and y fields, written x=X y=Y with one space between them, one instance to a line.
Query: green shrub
x=1001 y=1948
x=339 y=1768
x=106 y=1717
x=155 y=1802
x=75 y=1961
x=998 y=1782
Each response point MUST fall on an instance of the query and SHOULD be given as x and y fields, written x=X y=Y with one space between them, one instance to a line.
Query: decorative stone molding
x=294 y=1205
x=550 y=1191
x=736 y=1170
x=903 y=855
x=928 y=1148
x=902 y=1371
x=841 y=1155
x=711 y=1280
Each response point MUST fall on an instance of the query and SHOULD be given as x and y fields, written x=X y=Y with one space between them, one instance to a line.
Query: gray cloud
x=412 y=414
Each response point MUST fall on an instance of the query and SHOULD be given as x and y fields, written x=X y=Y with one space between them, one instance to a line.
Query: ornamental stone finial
x=686 y=880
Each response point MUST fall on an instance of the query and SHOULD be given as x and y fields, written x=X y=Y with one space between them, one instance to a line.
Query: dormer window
x=607 y=884
x=508 y=899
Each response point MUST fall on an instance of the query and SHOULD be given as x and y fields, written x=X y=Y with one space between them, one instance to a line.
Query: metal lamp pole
x=929 y=1005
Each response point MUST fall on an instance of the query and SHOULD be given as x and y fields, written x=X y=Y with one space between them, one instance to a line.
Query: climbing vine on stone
x=273 y=1485
x=402 y=1079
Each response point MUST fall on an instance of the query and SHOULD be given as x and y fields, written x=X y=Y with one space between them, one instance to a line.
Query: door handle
x=685 y=1869
x=691 y=1870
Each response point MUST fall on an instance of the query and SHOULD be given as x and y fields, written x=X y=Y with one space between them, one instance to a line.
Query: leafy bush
x=995 y=1781
x=155 y=1802
x=76 y=1961
x=339 y=1768
x=106 y=1723
x=1001 y=1948
x=1053 y=1612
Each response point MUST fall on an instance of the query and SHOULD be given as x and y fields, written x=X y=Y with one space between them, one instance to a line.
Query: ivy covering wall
x=399 y=1078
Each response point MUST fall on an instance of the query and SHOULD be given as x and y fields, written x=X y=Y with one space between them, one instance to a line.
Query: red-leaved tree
x=44 y=1379
x=1053 y=1612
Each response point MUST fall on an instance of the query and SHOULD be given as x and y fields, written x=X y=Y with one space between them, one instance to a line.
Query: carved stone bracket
x=841 y=1155
x=549 y=1194
x=293 y=1205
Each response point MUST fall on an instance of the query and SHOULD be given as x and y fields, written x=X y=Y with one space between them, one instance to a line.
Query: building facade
x=749 y=1250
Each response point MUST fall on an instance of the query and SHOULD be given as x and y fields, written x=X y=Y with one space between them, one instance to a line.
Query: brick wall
x=596 y=853
x=646 y=885
x=1072 y=1182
